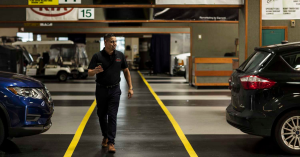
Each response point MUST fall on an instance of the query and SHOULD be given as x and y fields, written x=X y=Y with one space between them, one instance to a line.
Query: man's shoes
x=104 y=142
x=111 y=148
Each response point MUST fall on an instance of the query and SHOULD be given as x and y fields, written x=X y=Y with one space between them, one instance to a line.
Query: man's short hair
x=108 y=36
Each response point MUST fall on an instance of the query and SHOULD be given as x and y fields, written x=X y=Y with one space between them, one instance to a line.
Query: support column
x=249 y=27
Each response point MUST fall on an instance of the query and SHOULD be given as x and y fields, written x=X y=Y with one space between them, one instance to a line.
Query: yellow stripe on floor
x=79 y=131
x=177 y=128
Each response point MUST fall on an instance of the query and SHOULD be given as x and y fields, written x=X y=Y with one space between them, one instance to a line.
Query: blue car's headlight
x=49 y=95
x=27 y=92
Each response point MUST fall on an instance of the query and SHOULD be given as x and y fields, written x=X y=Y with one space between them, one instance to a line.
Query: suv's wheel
x=62 y=76
x=287 y=132
x=2 y=132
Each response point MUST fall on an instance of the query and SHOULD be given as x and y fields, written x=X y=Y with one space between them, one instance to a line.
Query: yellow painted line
x=177 y=128
x=79 y=131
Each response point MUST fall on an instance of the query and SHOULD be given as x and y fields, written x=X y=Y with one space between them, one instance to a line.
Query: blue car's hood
x=17 y=80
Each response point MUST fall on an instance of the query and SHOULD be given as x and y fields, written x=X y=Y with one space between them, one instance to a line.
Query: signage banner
x=31 y=24
x=69 y=1
x=202 y=14
x=280 y=9
x=209 y=2
x=86 y=13
x=51 y=14
x=42 y=2
x=122 y=2
x=37 y=24
x=46 y=24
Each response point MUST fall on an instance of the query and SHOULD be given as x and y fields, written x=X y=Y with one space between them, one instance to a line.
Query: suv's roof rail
x=263 y=49
x=286 y=44
x=271 y=48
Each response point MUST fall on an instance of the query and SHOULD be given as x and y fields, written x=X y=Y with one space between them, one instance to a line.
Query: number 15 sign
x=86 y=13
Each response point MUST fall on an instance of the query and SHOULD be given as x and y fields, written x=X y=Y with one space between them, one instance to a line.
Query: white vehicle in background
x=51 y=66
x=75 y=57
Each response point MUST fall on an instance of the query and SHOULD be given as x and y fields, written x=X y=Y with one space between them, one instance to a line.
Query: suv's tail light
x=256 y=82
x=229 y=81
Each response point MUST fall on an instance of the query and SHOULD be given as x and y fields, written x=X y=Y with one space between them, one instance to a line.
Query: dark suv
x=26 y=106
x=265 y=95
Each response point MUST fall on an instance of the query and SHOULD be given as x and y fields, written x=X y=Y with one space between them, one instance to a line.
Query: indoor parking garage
x=149 y=78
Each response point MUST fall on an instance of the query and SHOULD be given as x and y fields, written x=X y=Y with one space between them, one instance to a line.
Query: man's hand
x=130 y=93
x=98 y=69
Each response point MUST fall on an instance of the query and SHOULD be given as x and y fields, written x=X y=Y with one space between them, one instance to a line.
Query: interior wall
x=92 y=47
x=8 y=31
x=180 y=43
x=253 y=25
x=186 y=43
x=144 y=52
x=134 y=47
x=242 y=39
x=128 y=53
x=217 y=38
x=45 y=38
x=253 y=29
x=176 y=43
x=293 y=33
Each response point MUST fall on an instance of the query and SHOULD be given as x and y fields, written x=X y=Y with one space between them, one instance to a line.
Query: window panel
x=26 y=36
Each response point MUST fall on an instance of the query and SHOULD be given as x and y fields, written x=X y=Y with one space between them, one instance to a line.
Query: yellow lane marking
x=177 y=128
x=79 y=131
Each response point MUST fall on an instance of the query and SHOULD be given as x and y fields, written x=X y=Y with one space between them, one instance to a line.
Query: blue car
x=26 y=106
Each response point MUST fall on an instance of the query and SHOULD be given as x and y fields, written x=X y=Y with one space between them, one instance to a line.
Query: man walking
x=107 y=65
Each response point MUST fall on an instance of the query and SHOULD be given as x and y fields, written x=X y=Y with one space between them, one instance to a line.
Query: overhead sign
x=201 y=14
x=42 y=2
x=69 y=1
x=46 y=24
x=37 y=24
x=280 y=9
x=123 y=2
x=51 y=14
x=86 y=13
x=31 y=24
x=209 y=2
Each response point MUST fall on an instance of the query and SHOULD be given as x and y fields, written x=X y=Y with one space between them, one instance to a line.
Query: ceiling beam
x=121 y=6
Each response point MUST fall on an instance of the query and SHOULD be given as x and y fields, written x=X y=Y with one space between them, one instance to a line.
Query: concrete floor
x=143 y=129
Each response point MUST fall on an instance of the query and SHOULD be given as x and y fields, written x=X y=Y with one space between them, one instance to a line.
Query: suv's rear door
x=241 y=98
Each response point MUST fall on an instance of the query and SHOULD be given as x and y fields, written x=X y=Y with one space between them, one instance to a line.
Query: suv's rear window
x=254 y=61
x=293 y=60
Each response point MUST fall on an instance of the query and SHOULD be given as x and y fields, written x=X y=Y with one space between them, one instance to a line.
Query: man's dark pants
x=108 y=104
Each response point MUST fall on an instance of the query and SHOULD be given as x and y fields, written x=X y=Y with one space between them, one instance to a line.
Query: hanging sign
x=280 y=9
x=37 y=24
x=86 y=13
x=42 y=2
x=202 y=14
x=31 y=24
x=69 y=1
x=209 y=2
x=46 y=24
x=51 y=14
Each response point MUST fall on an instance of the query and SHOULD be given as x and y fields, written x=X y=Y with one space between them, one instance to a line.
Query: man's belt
x=108 y=86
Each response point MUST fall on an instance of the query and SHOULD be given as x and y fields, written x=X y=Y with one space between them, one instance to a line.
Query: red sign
x=52 y=14
x=52 y=11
